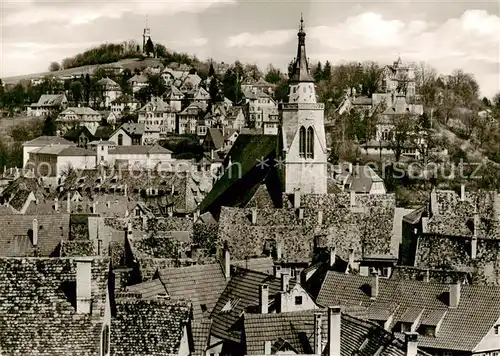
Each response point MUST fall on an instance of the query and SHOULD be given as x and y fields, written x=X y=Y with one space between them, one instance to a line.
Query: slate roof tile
x=148 y=327
x=37 y=310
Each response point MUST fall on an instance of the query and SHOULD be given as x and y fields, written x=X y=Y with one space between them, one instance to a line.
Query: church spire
x=300 y=71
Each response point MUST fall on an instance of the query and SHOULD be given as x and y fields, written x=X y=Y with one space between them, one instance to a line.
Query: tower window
x=302 y=141
x=310 y=143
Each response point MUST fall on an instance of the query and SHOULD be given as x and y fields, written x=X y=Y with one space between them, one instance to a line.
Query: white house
x=124 y=103
x=79 y=116
x=157 y=116
x=48 y=103
x=173 y=97
x=53 y=161
x=261 y=107
x=40 y=142
x=129 y=134
x=138 y=82
x=110 y=91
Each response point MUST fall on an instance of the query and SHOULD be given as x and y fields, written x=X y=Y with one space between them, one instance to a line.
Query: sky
x=446 y=34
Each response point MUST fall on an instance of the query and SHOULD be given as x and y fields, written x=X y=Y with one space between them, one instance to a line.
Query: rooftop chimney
x=455 y=294
x=35 y=232
x=434 y=207
x=301 y=213
x=56 y=204
x=374 y=285
x=411 y=341
x=279 y=250
x=462 y=192
x=267 y=347
x=277 y=271
x=425 y=224
x=473 y=246
x=353 y=198
x=334 y=326
x=285 y=282
x=320 y=217
x=68 y=203
x=427 y=276
x=129 y=230
x=254 y=216
x=264 y=299
x=333 y=252
x=83 y=285
x=296 y=199
x=317 y=334
x=227 y=264
x=350 y=263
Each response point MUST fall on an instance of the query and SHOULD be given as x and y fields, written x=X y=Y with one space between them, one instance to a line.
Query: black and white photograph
x=249 y=178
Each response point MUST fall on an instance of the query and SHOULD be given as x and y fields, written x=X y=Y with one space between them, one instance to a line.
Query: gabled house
x=158 y=116
x=124 y=104
x=173 y=97
x=110 y=91
x=138 y=82
x=218 y=139
x=129 y=134
x=250 y=84
x=48 y=103
x=259 y=107
x=188 y=118
x=235 y=118
x=399 y=78
x=108 y=116
x=445 y=316
x=78 y=116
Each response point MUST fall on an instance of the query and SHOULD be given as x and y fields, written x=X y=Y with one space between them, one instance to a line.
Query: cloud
x=80 y=12
x=471 y=42
x=264 y=39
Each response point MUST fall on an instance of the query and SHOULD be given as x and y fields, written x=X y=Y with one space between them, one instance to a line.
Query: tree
x=402 y=128
x=161 y=51
x=49 y=125
x=156 y=85
x=327 y=71
x=211 y=71
x=150 y=48
x=1 y=93
x=215 y=92
x=273 y=75
x=54 y=67
x=425 y=83
x=291 y=66
x=76 y=89
x=370 y=79
x=318 y=73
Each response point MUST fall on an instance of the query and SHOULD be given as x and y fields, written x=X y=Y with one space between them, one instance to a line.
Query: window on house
x=497 y=329
x=120 y=140
x=203 y=308
x=302 y=141
x=310 y=143
x=298 y=300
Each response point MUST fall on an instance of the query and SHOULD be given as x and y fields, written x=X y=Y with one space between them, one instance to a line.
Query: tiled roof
x=47 y=140
x=172 y=92
x=16 y=234
x=139 y=150
x=435 y=275
x=50 y=100
x=76 y=151
x=125 y=99
x=108 y=84
x=81 y=110
x=149 y=289
x=202 y=284
x=148 y=327
x=358 y=337
x=453 y=253
x=138 y=78
x=258 y=264
x=243 y=292
x=367 y=228
x=156 y=104
x=37 y=307
x=95 y=182
x=201 y=336
x=133 y=129
x=217 y=138
x=362 y=179
x=460 y=328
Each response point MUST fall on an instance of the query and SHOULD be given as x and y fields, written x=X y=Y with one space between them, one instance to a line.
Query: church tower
x=146 y=35
x=303 y=130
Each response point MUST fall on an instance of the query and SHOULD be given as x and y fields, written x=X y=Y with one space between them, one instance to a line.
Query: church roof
x=300 y=71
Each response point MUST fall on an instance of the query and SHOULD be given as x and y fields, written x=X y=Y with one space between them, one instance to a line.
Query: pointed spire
x=301 y=67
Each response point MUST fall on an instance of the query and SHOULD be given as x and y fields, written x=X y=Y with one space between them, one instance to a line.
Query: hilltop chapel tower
x=303 y=130
x=146 y=35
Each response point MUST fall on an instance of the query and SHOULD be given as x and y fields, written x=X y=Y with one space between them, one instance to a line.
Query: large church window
x=302 y=141
x=310 y=143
